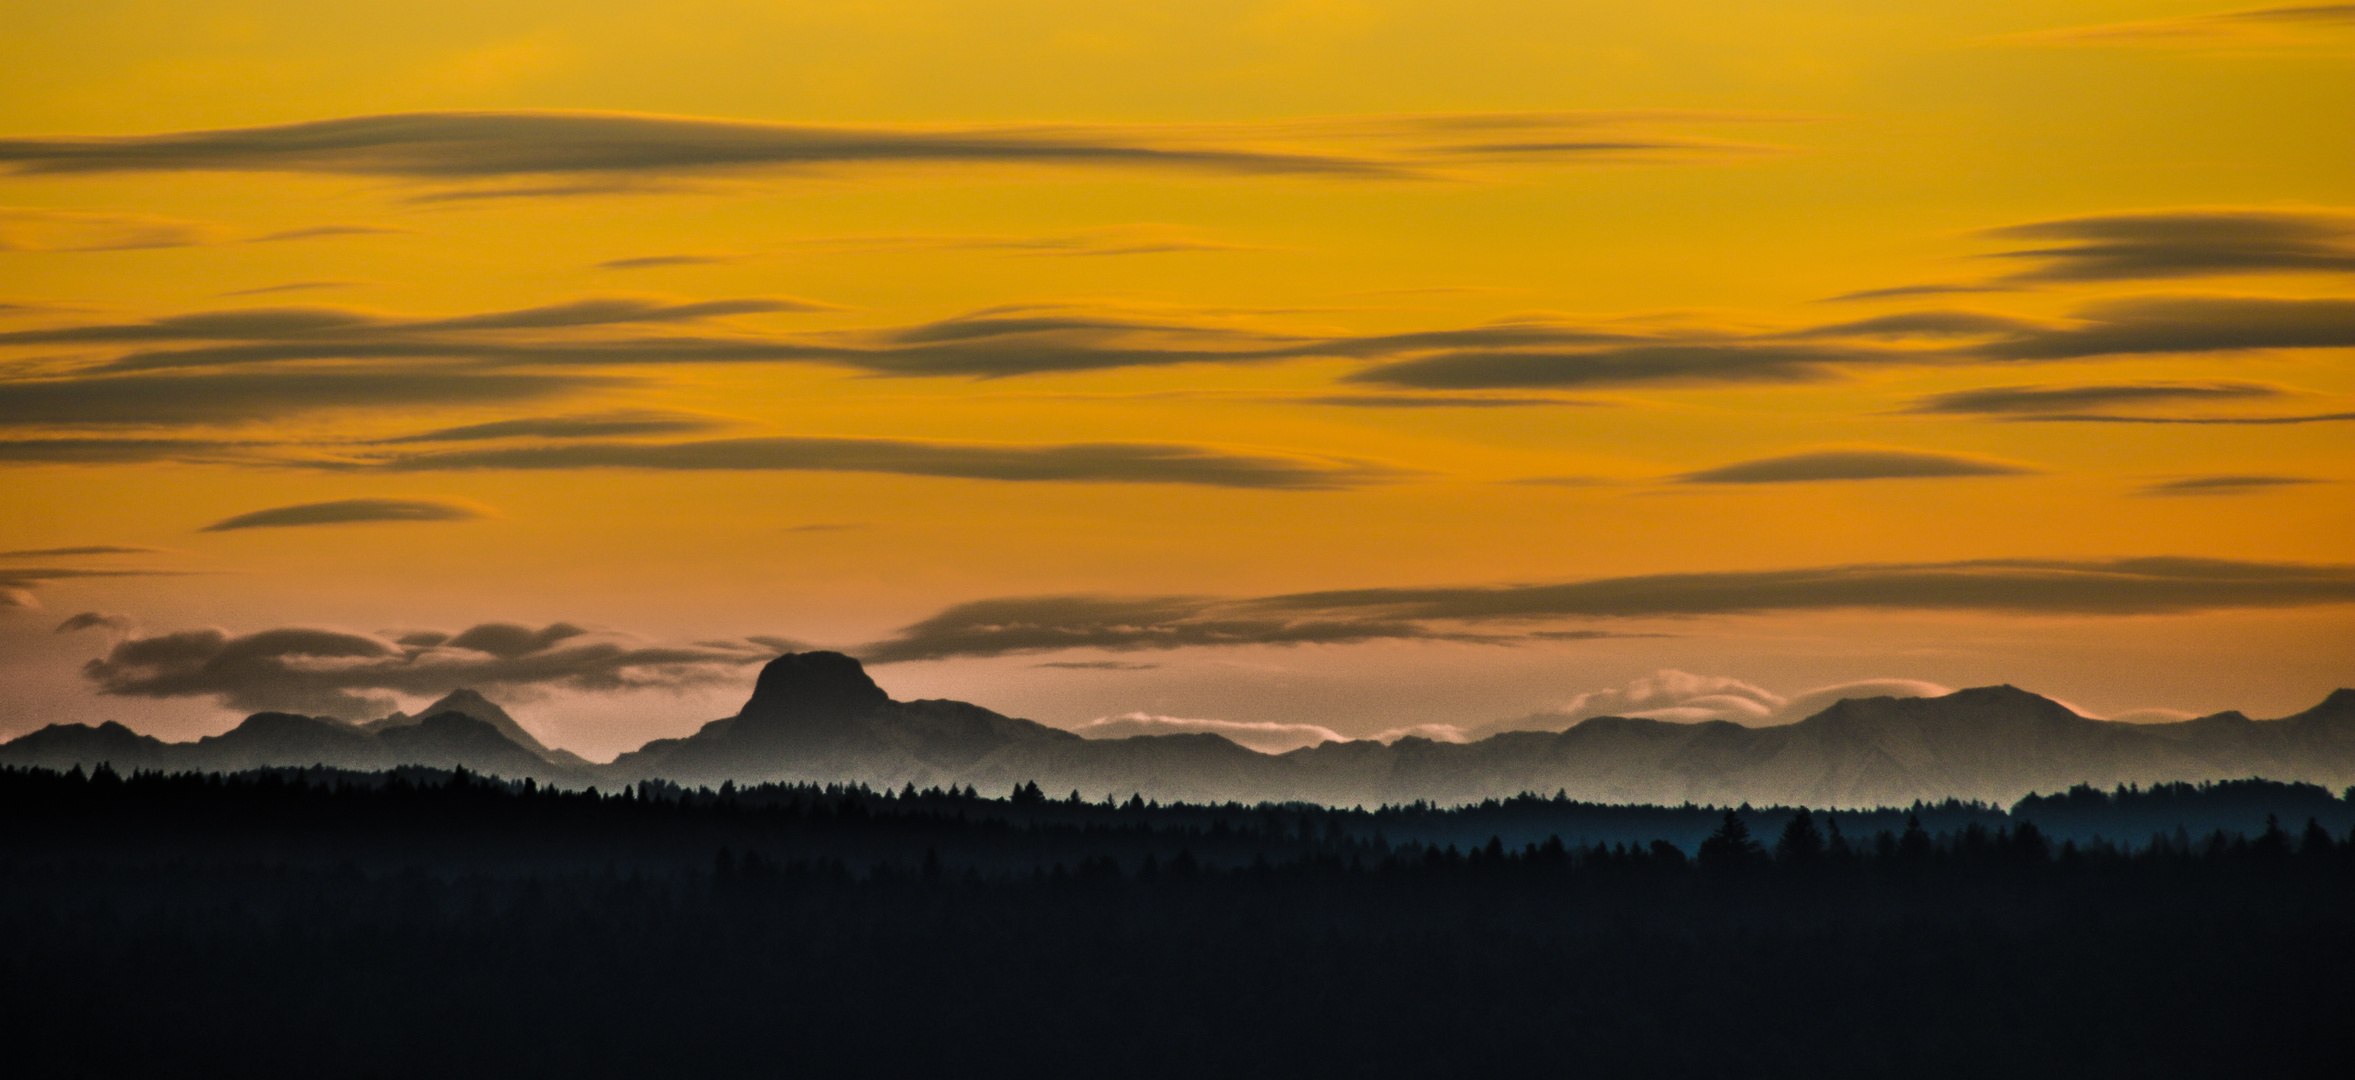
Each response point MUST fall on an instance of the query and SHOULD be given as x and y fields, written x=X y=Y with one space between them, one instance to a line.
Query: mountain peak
x=813 y=682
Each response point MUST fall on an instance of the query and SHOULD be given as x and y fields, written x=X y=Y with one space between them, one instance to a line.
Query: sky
x=1297 y=369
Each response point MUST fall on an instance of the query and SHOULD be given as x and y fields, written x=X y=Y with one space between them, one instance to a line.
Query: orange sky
x=1793 y=345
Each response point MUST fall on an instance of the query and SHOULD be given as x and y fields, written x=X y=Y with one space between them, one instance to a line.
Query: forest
x=423 y=921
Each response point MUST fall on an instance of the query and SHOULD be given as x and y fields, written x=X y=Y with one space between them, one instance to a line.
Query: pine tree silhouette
x=1801 y=844
x=1730 y=846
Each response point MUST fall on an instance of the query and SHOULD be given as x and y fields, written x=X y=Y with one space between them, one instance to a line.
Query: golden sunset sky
x=1348 y=363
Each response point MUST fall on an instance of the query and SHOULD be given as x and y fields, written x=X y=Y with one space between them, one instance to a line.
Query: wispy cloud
x=1265 y=736
x=2183 y=243
x=573 y=152
x=93 y=549
x=349 y=512
x=239 y=397
x=1507 y=613
x=1871 y=464
x=2016 y=400
x=293 y=286
x=2248 y=26
x=1133 y=463
x=2226 y=485
x=40 y=229
x=1902 y=292
x=588 y=426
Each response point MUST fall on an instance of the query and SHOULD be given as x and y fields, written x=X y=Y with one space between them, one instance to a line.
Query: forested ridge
x=380 y=924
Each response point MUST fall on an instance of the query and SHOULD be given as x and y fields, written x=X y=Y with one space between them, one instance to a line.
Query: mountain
x=818 y=716
x=440 y=738
x=469 y=703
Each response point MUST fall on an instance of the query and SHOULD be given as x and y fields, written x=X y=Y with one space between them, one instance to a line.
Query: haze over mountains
x=817 y=716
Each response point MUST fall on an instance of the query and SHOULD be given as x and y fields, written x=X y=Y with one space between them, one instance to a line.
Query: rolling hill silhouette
x=817 y=716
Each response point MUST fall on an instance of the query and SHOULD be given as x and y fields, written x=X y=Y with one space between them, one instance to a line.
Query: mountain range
x=817 y=716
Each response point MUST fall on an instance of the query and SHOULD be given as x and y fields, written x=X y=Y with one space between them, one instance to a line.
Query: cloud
x=2249 y=26
x=608 y=151
x=321 y=232
x=1265 y=736
x=2132 y=586
x=1564 y=481
x=1097 y=665
x=1438 y=401
x=42 y=229
x=2099 y=418
x=1048 y=623
x=79 y=451
x=2014 y=400
x=2184 y=243
x=330 y=672
x=625 y=422
x=1685 y=698
x=2140 y=586
x=2226 y=485
x=495 y=354
x=1618 y=366
x=1141 y=239
x=1134 y=463
x=348 y=511
x=649 y=262
x=2185 y=324
x=1854 y=465
x=293 y=286
x=94 y=549
x=1901 y=291
x=120 y=624
x=38 y=229
x=238 y=397
x=339 y=327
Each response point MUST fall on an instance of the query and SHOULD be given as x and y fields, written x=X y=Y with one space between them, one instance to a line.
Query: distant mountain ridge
x=818 y=716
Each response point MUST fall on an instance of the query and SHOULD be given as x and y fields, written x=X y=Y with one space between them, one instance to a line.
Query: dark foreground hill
x=334 y=925
x=818 y=717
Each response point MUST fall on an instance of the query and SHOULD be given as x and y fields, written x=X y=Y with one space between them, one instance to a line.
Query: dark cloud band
x=2008 y=586
x=347 y=512
x=1853 y=465
x=1135 y=463
x=283 y=668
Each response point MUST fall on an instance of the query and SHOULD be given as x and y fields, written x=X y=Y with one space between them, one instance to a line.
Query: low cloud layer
x=1130 y=463
x=1265 y=736
x=332 y=672
x=2183 y=243
x=1509 y=613
x=1854 y=465
x=348 y=512
x=1685 y=698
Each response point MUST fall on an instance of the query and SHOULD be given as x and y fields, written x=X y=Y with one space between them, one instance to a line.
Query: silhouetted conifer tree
x=1801 y=844
x=2316 y=844
x=1731 y=845
x=1914 y=844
